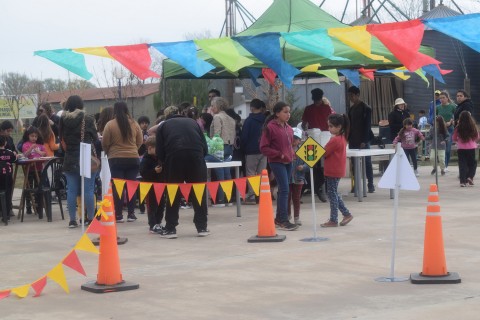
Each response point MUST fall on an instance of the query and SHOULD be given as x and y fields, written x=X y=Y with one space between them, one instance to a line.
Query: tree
x=17 y=94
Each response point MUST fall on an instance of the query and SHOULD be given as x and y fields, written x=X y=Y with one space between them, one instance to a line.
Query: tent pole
x=435 y=129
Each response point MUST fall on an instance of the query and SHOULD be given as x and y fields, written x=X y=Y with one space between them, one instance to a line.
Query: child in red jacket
x=335 y=166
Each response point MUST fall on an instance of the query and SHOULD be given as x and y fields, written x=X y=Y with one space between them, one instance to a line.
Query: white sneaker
x=416 y=173
x=446 y=169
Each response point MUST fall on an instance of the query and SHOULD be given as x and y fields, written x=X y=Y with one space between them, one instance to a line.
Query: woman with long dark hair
x=70 y=127
x=122 y=137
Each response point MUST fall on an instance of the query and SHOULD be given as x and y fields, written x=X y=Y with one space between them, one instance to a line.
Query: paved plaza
x=224 y=277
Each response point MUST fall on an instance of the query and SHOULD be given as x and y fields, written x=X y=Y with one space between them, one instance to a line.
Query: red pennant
x=185 y=190
x=96 y=227
x=39 y=285
x=4 y=294
x=367 y=73
x=403 y=39
x=132 y=188
x=212 y=189
x=269 y=75
x=72 y=262
x=135 y=58
x=241 y=184
x=159 y=189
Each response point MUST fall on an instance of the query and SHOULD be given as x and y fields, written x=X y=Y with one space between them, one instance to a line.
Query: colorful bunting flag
x=254 y=74
x=212 y=187
x=185 y=190
x=85 y=244
x=198 y=190
x=421 y=74
x=72 y=261
x=185 y=54
x=159 y=189
x=172 y=192
x=144 y=189
x=351 y=75
x=94 y=51
x=368 y=73
x=4 y=294
x=57 y=275
x=332 y=74
x=255 y=184
x=223 y=50
x=22 y=291
x=434 y=71
x=96 y=227
x=270 y=76
x=311 y=68
x=67 y=59
x=119 y=185
x=227 y=187
x=39 y=285
x=135 y=58
x=241 y=185
x=132 y=188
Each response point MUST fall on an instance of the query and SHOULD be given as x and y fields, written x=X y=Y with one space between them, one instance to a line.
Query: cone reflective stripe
x=266 y=223
x=434 y=263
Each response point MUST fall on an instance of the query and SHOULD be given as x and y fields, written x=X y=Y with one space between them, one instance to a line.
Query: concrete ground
x=224 y=277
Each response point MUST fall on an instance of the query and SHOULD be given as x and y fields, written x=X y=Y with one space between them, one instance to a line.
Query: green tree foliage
x=183 y=90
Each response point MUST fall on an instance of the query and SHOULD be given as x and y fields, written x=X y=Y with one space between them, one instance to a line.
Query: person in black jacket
x=181 y=149
x=464 y=104
x=396 y=117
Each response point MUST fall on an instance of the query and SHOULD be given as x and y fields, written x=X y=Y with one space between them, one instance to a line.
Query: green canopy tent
x=291 y=16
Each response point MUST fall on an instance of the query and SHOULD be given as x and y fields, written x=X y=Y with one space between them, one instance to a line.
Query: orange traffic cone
x=266 y=223
x=109 y=278
x=434 y=262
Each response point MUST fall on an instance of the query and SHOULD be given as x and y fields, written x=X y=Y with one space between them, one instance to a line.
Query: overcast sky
x=29 y=25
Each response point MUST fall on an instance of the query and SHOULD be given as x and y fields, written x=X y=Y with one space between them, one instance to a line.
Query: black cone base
x=98 y=288
x=275 y=238
x=451 y=277
x=120 y=240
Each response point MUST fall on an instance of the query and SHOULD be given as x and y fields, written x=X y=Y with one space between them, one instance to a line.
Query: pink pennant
x=131 y=188
x=135 y=58
x=212 y=189
x=403 y=39
x=185 y=190
x=241 y=184
x=72 y=262
x=367 y=73
x=159 y=189
x=96 y=228
x=269 y=75
x=39 y=285
x=4 y=294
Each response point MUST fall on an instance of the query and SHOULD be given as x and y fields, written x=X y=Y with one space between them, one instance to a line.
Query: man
x=211 y=94
x=431 y=108
x=315 y=116
x=181 y=149
x=360 y=116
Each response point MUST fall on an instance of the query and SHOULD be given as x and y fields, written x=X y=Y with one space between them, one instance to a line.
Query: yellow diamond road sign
x=310 y=152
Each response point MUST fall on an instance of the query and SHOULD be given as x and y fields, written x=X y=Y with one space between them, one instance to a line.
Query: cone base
x=275 y=238
x=451 y=277
x=120 y=240
x=99 y=288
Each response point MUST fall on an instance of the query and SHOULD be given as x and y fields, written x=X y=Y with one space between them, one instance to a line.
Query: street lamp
x=118 y=73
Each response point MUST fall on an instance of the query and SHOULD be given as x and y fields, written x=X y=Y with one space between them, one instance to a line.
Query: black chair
x=52 y=180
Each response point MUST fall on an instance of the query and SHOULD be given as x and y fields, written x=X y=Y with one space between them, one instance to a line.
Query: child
x=151 y=172
x=441 y=142
x=7 y=157
x=276 y=145
x=335 y=167
x=422 y=120
x=466 y=136
x=48 y=137
x=143 y=122
x=408 y=136
x=297 y=179
x=33 y=149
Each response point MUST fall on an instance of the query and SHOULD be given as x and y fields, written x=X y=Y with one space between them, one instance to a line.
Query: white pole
x=312 y=188
x=395 y=211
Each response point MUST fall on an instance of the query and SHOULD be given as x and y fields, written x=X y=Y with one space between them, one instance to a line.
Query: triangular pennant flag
x=367 y=73
x=332 y=74
x=351 y=75
x=86 y=244
x=213 y=189
x=198 y=190
x=172 y=192
x=223 y=50
x=96 y=227
x=67 y=59
x=311 y=68
x=144 y=189
x=403 y=39
x=73 y=262
x=227 y=187
x=39 y=285
x=255 y=184
x=185 y=190
x=254 y=74
x=159 y=189
x=434 y=71
x=119 y=185
x=57 y=275
x=4 y=294
x=22 y=291
x=421 y=74
x=135 y=58
x=132 y=187
x=185 y=54
x=94 y=51
x=241 y=185
x=269 y=75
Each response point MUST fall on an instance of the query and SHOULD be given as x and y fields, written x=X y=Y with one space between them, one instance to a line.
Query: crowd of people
x=177 y=146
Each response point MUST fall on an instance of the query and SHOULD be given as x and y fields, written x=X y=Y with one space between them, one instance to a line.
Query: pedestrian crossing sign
x=310 y=152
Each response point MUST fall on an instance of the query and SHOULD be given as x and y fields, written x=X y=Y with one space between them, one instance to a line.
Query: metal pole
x=119 y=89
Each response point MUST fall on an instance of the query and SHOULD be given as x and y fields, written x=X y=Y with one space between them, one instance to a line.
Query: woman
x=463 y=104
x=70 y=129
x=122 y=137
x=47 y=134
x=396 y=117
x=446 y=109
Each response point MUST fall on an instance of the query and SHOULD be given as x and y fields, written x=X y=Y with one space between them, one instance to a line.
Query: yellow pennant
x=119 y=185
x=199 y=189
x=172 y=192
x=94 y=51
x=331 y=74
x=311 y=68
x=22 y=291
x=57 y=275
x=227 y=187
x=86 y=244
x=255 y=184
x=144 y=188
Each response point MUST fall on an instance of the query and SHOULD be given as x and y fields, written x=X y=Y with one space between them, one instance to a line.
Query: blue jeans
x=336 y=202
x=74 y=182
x=282 y=173
x=449 y=145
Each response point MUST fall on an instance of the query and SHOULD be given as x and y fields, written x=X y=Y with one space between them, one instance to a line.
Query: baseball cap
x=438 y=91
